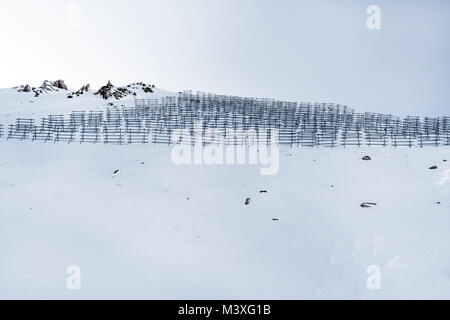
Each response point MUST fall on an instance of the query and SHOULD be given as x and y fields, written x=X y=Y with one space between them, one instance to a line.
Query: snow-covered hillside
x=18 y=104
x=140 y=226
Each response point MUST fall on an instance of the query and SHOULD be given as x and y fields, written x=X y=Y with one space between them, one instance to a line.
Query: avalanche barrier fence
x=207 y=118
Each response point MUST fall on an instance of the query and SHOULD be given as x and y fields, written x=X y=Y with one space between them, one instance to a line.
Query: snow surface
x=156 y=230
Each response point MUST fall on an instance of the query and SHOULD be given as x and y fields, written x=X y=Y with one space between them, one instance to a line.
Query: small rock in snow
x=368 y=205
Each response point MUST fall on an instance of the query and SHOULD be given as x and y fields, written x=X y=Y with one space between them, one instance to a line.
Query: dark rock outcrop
x=46 y=86
x=60 y=84
x=25 y=88
x=110 y=91
x=368 y=205
x=106 y=92
x=80 y=92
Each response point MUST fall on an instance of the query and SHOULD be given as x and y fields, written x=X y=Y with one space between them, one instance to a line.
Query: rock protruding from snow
x=25 y=88
x=59 y=84
x=366 y=205
x=110 y=91
x=52 y=86
x=142 y=86
x=106 y=92
x=47 y=86
x=80 y=92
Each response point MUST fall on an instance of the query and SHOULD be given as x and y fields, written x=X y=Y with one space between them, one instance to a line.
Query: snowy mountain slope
x=16 y=104
x=157 y=230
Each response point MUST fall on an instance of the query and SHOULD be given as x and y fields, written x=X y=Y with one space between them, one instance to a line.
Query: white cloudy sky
x=287 y=49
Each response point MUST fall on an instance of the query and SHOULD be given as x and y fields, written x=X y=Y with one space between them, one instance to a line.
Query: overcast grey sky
x=288 y=49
